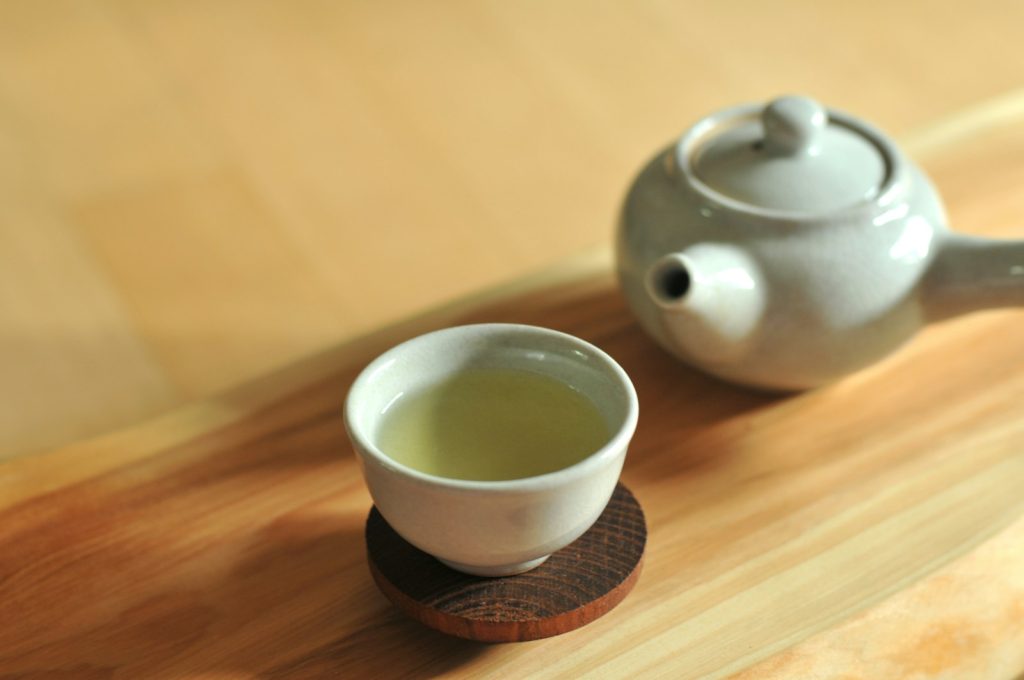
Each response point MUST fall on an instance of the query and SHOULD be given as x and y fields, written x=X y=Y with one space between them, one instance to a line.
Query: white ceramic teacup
x=491 y=528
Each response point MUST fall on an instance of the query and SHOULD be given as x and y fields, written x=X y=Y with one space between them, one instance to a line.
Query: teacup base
x=499 y=570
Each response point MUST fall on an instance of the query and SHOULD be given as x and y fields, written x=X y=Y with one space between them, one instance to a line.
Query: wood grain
x=225 y=540
x=195 y=193
x=864 y=531
x=575 y=586
x=964 y=621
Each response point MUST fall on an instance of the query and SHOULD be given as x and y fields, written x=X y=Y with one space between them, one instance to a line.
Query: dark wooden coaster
x=576 y=585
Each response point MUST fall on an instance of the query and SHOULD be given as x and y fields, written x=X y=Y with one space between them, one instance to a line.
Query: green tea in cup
x=492 y=424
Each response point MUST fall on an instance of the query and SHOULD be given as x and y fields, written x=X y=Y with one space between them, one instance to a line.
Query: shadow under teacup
x=503 y=524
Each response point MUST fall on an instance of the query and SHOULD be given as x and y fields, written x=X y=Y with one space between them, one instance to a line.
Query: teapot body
x=834 y=292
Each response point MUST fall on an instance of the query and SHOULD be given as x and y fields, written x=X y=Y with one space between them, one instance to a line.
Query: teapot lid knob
x=793 y=125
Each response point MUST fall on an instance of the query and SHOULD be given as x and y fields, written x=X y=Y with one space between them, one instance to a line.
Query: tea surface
x=492 y=424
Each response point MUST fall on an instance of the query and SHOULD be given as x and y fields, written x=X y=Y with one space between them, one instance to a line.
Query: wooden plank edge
x=31 y=474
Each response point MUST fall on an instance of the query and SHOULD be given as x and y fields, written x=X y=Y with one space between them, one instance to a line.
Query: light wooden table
x=196 y=193
x=870 y=530
x=193 y=193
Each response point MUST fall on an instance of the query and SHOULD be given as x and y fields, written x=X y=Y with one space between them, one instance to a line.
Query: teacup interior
x=491 y=403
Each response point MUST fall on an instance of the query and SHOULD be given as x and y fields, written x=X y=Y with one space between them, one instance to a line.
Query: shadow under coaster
x=575 y=586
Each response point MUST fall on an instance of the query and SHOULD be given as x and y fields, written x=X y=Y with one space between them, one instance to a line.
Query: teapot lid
x=792 y=155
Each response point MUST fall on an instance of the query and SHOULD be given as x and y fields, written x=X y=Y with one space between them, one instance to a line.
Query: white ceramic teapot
x=785 y=246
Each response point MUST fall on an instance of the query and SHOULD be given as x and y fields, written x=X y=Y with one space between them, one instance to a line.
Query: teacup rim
x=608 y=453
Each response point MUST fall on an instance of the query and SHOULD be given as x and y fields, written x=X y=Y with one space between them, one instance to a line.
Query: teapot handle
x=970 y=273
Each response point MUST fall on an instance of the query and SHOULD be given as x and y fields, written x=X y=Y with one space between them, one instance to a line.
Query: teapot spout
x=711 y=299
x=970 y=273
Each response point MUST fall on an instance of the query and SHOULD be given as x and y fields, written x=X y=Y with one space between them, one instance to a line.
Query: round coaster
x=576 y=585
